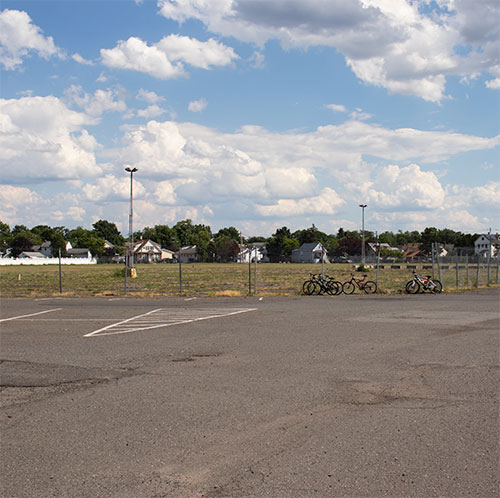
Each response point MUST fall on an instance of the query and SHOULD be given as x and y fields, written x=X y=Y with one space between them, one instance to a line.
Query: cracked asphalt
x=350 y=396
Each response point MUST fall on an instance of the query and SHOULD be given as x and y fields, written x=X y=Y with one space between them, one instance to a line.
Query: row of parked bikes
x=318 y=284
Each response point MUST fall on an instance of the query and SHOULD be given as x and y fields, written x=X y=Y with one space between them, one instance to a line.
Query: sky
x=256 y=114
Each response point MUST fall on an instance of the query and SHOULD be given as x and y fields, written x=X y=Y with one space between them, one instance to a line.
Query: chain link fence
x=233 y=279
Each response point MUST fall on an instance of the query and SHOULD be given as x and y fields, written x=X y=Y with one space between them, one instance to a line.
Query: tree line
x=220 y=246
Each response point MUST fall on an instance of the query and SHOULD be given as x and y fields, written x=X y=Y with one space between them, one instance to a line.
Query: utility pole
x=131 y=218
x=129 y=252
x=362 y=206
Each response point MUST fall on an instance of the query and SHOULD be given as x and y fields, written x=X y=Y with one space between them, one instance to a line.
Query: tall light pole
x=362 y=206
x=131 y=219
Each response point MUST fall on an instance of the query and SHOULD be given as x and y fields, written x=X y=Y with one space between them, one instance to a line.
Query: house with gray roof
x=31 y=255
x=487 y=245
x=312 y=252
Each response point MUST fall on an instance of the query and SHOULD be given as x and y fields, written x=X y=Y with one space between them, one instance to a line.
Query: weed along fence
x=219 y=279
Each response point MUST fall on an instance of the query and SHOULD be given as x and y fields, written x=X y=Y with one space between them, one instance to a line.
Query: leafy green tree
x=387 y=238
x=24 y=240
x=309 y=235
x=53 y=235
x=257 y=238
x=389 y=253
x=165 y=236
x=466 y=239
x=350 y=246
x=57 y=243
x=19 y=228
x=108 y=231
x=281 y=244
x=43 y=231
x=331 y=244
x=226 y=248
x=428 y=237
x=5 y=236
x=82 y=238
x=199 y=235
x=230 y=232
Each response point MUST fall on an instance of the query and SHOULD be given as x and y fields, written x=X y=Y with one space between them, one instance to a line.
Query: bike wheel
x=308 y=287
x=332 y=287
x=348 y=287
x=337 y=286
x=412 y=287
x=438 y=287
x=370 y=287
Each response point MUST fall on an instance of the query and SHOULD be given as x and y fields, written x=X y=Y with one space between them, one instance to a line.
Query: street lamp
x=362 y=206
x=131 y=219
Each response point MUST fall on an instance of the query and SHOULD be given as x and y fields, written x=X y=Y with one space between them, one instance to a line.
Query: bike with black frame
x=317 y=284
x=368 y=286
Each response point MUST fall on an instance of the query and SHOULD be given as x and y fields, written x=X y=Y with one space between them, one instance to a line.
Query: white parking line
x=31 y=314
x=164 y=318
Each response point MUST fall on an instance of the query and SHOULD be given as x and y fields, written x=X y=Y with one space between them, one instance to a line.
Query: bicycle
x=369 y=287
x=424 y=283
x=319 y=285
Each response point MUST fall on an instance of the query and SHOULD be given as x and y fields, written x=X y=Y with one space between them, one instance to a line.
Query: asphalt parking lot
x=356 y=396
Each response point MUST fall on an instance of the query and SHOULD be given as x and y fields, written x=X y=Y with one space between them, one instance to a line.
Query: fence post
x=498 y=263
x=60 y=273
x=439 y=264
x=126 y=271
x=456 y=270
x=180 y=272
x=249 y=271
x=322 y=262
x=255 y=276
x=488 y=272
x=432 y=250
x=467 y=270
x=477 y=272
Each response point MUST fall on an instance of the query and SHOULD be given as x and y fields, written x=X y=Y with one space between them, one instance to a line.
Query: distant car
x=342 y=259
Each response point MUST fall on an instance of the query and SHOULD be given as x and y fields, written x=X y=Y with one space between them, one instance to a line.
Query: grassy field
x=208 y=279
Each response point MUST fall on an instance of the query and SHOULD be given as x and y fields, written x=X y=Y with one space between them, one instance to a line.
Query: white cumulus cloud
x=326 y=203
x=19 y=38
x=102 y=100
x=43 y=139
x=405 y=188
x=197 y=105
x=166 y=59
x=407 y=47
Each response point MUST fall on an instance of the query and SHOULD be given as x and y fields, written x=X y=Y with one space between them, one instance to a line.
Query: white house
x=147 y=251
x=82 y=253
x=188 y=254
x=487 y=244
x=373 y=247
x=309 y=253
x=248 y=253
x=167 y=255
x=45 y=249
x=31 y=255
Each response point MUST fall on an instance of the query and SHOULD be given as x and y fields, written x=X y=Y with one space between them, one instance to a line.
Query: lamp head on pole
x=363 y=205
x=131 y=170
